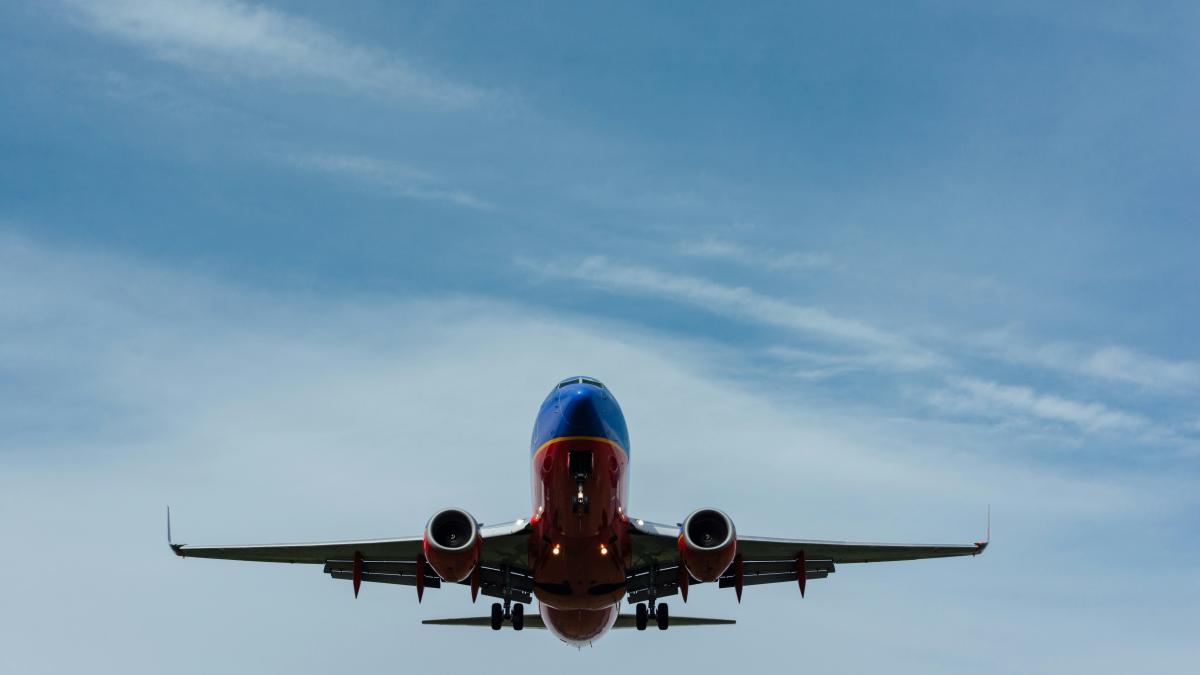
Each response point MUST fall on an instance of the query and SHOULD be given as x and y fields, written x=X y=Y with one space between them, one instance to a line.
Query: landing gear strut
x=515 y=614
x=659 y=612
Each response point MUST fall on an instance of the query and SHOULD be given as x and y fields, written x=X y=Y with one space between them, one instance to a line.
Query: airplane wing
x=393 y=561
x=764 y=560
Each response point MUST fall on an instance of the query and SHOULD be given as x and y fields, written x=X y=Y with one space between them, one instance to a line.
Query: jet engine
x=452 y=544
x=707 y=544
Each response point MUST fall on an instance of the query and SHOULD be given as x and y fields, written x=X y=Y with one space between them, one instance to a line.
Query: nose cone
x=583 y=409
x=580 y=406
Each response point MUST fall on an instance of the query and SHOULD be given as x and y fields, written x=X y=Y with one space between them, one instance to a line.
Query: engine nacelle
x=707 y=544
x=452 y=544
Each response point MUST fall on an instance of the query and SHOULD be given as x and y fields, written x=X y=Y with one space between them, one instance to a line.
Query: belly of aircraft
x=579 y=626
x=581 y=549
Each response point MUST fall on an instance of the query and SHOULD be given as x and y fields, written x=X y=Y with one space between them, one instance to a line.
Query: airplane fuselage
x=580 y=550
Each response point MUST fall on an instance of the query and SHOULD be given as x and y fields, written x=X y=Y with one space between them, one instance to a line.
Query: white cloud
x=392 y=178
x=1127 y=365
x=237 y=39
x=999 y=400
x=713 y=247
x=849 y=345
x=815 y=365
x=742 y=303
x=1112 y=363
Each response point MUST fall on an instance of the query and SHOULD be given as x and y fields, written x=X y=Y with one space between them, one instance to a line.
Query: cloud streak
x=237 y=39
x=390 y=178
x=721 y=249
x=741 y=303
x=850 y=345
x=1115 y=364
x=993 y=399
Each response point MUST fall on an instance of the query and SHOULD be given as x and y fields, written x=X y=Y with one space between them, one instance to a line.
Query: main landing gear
x=659 y=613
x=514 y=614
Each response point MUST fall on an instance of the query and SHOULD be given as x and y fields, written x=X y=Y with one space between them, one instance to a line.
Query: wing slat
x=777 y=578
x=400 y=579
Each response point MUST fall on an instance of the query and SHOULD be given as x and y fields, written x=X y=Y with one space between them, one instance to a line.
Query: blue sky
x=306 y=272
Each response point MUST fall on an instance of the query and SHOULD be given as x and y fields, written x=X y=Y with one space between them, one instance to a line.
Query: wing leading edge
x=392 y=561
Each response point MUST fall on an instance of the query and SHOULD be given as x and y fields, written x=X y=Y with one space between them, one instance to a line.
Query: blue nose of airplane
x=580 y=406
x=583 y=408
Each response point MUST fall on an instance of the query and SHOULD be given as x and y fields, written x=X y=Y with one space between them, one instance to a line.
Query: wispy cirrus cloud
x=892 y=350
x=391 y=178
x=814 y=366
x=996 y=400
x=1113 y=363
x=830 y=346
x=237 y=39
x=723 y=249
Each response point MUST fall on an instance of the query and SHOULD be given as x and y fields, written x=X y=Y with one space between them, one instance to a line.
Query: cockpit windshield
x=580 y=380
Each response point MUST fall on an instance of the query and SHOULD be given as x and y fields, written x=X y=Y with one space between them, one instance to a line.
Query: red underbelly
x=578 y=625
x=580 y=552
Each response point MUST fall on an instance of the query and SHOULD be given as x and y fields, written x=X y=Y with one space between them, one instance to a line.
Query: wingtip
x=177 y=549
x=987 y=539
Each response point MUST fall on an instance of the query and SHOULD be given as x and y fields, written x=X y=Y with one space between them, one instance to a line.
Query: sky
x=305 y=271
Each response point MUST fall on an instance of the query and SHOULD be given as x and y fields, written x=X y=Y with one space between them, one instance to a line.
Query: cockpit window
x=580 y=380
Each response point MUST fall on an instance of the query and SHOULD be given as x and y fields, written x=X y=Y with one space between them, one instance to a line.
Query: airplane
x=579 y=553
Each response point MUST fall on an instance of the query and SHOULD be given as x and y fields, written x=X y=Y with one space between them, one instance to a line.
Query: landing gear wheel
x=518 y=616
x=661 y=615
x=641 y=616
x=497 y=616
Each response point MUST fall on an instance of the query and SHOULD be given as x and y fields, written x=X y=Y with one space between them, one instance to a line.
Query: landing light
x=603 y=549
x=555 y=550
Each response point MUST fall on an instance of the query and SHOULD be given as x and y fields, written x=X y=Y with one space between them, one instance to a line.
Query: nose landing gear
x=579 y=463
